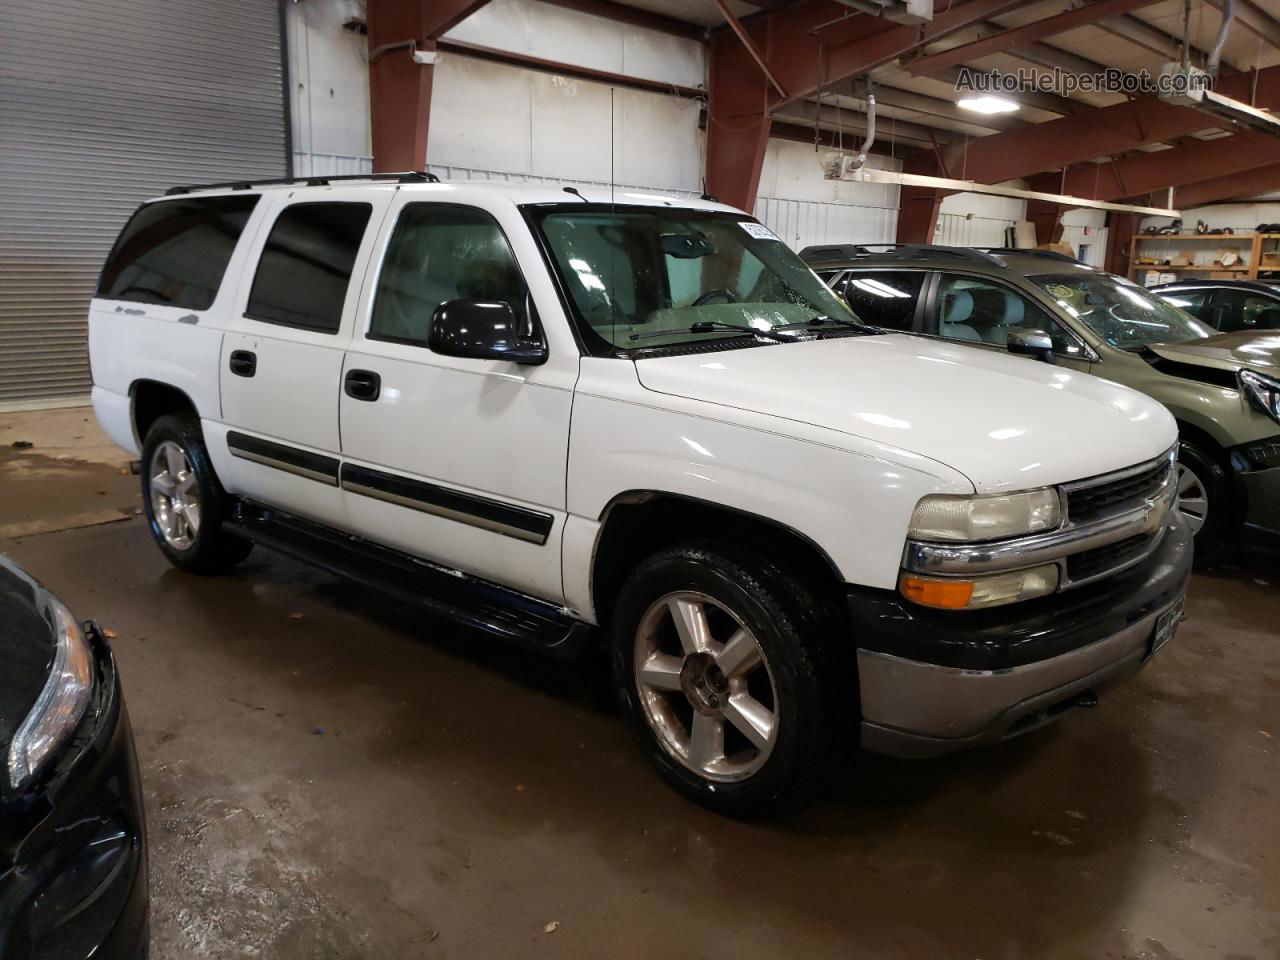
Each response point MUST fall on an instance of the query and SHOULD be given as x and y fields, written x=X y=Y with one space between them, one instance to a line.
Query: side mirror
x=482 y=330
x=1031 y=343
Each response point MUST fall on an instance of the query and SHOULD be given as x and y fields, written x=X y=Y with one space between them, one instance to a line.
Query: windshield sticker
x=758 y=230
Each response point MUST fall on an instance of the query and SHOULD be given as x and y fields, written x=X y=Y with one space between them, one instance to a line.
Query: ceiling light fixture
x=987 y=104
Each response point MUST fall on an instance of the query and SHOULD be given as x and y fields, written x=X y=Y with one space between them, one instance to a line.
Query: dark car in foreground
x=1227 y=305
x=73 y=863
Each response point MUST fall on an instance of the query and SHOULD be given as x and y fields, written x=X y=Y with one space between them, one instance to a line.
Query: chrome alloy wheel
x=1193 y=499
x=705 y=687
x=175 y=497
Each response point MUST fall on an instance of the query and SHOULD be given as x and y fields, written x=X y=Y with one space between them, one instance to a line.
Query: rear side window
x=305 y=268
x=886 y=298
x=441 y=252
x=175 y=252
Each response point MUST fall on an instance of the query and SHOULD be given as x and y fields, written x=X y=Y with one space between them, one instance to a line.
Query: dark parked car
x=73 y=863
x=1226 y=305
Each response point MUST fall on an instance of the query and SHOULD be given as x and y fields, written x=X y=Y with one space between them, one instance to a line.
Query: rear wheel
x=1205 y=500
x=185 y=503
x=723 y=668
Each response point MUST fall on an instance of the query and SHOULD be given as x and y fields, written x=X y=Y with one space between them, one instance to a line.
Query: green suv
x=1224 y=389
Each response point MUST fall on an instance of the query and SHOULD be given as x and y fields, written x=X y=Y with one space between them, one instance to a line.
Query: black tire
x=812 y=686
x=1221 y=523
x=211 y=550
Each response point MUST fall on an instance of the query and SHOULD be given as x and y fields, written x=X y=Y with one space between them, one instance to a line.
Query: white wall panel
x=329 y=84
x=497 y=117
x=554 y=33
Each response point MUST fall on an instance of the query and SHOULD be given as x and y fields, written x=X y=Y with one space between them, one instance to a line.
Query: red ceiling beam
x=1233 y=187
x=811 y=44
x=1083 y=136
x=1017 y=37
x=634 y=16
x=750 y=44
x=400 y=86
x=1195 y=160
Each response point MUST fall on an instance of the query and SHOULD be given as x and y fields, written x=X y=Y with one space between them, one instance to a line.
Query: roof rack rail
x=902 y=251
x=408 y=176
x=1030 y=252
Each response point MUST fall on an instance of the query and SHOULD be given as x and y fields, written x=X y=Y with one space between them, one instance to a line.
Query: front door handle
x=362 y=385
x=244 y=363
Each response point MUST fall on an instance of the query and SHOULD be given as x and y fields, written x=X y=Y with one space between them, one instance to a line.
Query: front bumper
x=73 y=864
x=932 y=682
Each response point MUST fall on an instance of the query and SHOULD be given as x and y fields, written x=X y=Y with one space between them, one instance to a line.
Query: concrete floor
x=328 y=775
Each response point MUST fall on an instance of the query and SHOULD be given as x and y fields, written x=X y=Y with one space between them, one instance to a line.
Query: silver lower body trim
x=905 y=699
x=285 y=465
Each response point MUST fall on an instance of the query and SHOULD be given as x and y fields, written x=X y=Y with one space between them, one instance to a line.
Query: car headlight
x=61 y=704
x=1263 y=391
x=974 y=519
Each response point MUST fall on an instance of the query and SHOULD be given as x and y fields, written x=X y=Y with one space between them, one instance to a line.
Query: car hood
x=26 y=651
x=1005 y=422
x=1228 y=351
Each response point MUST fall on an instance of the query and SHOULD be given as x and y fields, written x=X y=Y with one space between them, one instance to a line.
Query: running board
x=456 y=596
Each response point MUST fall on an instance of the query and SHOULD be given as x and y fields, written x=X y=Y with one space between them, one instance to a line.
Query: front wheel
x=724 y=672
x=1205 y=500
x=185 y=503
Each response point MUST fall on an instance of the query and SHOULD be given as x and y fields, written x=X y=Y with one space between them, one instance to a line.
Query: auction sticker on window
x=758 y=230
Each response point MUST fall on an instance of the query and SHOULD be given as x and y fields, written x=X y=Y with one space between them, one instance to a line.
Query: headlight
x=61 y=703
x=971 y=519
x=969 y=593
x=1264 y=391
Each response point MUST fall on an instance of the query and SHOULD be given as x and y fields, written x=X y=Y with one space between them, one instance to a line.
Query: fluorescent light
x=987 y=104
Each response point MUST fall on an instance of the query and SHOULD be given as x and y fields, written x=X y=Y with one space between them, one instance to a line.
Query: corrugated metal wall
x=804 y=222
x=104 y=103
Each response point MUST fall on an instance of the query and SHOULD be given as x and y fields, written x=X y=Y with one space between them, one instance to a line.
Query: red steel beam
x=1083 y=136
x=1196 y=160
x=1046 y=215
x=918 y=209
x=810 y=44
x=511 y=58
x=1023 y=36
x=634 y=16
x=747 y=42
x=1219 y=189
x=399 y=86
x=1120 y=230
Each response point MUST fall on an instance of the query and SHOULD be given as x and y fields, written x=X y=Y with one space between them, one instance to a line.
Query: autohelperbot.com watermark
x=1065 y=83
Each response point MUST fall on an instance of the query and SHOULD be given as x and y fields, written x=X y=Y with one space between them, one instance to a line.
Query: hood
x=26 y=651
x=1228 y=351
x=1005 y=422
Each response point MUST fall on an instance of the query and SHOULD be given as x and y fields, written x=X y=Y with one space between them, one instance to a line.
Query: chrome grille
x=1094 y=499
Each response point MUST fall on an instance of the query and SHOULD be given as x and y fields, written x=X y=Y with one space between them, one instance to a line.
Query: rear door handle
x=244 y=363
x=362 y=385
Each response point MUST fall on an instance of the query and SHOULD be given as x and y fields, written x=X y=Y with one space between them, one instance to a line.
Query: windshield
x=654 y=277
x=1121 y=312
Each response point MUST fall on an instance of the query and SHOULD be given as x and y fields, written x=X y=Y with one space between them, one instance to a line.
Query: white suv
x=563 y=415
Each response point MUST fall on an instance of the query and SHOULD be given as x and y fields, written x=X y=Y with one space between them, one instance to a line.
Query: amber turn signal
x=946 y=594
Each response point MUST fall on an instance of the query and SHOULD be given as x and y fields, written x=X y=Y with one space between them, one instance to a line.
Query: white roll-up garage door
x=104 y=103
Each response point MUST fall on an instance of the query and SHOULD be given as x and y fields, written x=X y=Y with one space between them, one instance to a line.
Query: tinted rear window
x=306 y=265
x=175 y=251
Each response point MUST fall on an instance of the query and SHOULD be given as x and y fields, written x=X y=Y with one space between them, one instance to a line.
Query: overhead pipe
x=1215 y=55
x=865 y=149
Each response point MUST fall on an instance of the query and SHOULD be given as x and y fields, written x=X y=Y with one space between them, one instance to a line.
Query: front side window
x=440 y=252
x=1119 y=311
x=1195 y=302
x=175 y=252
x=885 y=298
x=983 y=311
x=1235 y=310
x=659 y=277
x=306 y=265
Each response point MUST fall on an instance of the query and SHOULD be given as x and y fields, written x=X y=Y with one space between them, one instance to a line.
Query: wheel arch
x=152 y=399
x=636 y=523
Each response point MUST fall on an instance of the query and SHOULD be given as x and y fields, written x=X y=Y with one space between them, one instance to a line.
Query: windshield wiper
x=821 y=319
x=712 y=326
